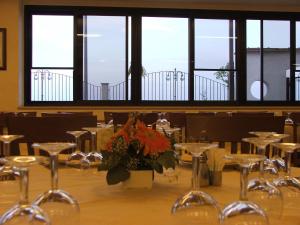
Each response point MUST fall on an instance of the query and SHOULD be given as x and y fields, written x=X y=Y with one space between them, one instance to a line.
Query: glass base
x=25 y=214
x=60 y=206
x=287 y=181
x=196 y=206
x=279 y=163
x=244 y=212
x=57 y=196
x=267 y=196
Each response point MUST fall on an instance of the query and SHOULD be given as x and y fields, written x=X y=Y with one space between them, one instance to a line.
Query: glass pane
x=104 y=58
x=253 y=60
x=165 y=59
x=215 y=44
x=297 y=75
x=51 y=85
x=276 y=60
x=298 y=45
x=52 y=41
x=214 y=85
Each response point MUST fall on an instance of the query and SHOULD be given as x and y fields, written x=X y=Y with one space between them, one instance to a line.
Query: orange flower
x=153 y=141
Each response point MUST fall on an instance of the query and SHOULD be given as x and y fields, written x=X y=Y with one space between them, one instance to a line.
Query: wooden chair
x=108 y=117
x=229 y=131
x=178 y=119
x=149 y=118
x=66 y=114
x=119 y=119
x=252 y=114
x=46 y=129
x=295 y=131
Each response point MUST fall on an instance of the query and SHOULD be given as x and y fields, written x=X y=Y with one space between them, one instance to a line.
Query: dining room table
x=105 y=204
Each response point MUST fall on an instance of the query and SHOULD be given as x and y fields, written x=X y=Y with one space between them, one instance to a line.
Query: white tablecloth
x=113 y=205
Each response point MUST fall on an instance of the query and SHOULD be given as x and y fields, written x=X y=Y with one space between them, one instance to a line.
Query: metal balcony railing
x=156 y=86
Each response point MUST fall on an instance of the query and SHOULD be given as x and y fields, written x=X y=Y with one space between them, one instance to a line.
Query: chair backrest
x=108 y=116
x=46 y=129
x=230 y=129
x=149 y=118
x=119 y=119
x=252 y=114
x=66 y=114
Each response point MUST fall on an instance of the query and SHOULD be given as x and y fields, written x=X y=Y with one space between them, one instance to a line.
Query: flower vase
x=139 y=179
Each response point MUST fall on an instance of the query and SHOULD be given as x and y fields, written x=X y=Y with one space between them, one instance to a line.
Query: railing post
x=104 y=91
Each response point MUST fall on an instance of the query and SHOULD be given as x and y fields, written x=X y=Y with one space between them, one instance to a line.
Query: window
x=116 y=56
x=105 y=68
x=52 y=58
x=165 y=59
x=297 y=66
x=268 y=59
x=214 y=74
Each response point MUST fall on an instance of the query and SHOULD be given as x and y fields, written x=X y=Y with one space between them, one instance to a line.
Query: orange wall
x=9 y=79
x=11 y=85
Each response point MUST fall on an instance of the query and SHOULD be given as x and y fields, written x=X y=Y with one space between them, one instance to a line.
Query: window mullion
x=291 y=87
x=191 y=58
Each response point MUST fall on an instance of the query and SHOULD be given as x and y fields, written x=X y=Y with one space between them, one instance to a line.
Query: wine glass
x=287 y=180
x=196 y=205
x=288 y=120
x=94 y=155
x=244 y=211
x=78 y=155
x=261 y=191
x=23 y=212
x=7 y=139
x=276 y=159
x=57 y=203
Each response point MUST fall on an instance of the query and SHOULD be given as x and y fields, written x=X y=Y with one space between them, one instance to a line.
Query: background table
x=113 y=205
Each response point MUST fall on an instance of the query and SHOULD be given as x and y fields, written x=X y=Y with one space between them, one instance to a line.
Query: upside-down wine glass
x=78 y=155
x=23 y=212
x=260 y=190
x=196 y=205
x=289 y=185
x=94 y=155
x=7 y=139
x=7 y=170
x=287 y=180
x=57 y=203
x=244 y=211
x=275 y=159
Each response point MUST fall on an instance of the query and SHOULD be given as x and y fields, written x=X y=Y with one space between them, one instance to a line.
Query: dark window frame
x=136 y=13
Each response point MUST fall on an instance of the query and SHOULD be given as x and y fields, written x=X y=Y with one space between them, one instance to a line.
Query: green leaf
x=157 y=167
x=117 y=175
x=167 y=159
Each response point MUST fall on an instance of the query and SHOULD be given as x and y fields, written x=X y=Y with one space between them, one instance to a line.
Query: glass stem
x=261 y=151
x=78 y=143
x=244 y=183
x=288 y=157
x=24 y=179
x=94 y=141
x=54 y=171
x=6 y=149
x=196 y=174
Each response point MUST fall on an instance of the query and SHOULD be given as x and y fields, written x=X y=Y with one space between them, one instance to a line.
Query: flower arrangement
x=136 y=147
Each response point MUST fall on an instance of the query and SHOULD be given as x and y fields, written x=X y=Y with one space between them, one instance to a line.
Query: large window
x=214 y=75
x=114 y=56
x=268 y=60
x=105 y=70
x=165 y=59
x=52 y=68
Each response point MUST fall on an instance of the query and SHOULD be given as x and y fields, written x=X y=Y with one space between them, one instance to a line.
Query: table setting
x=188 y=198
